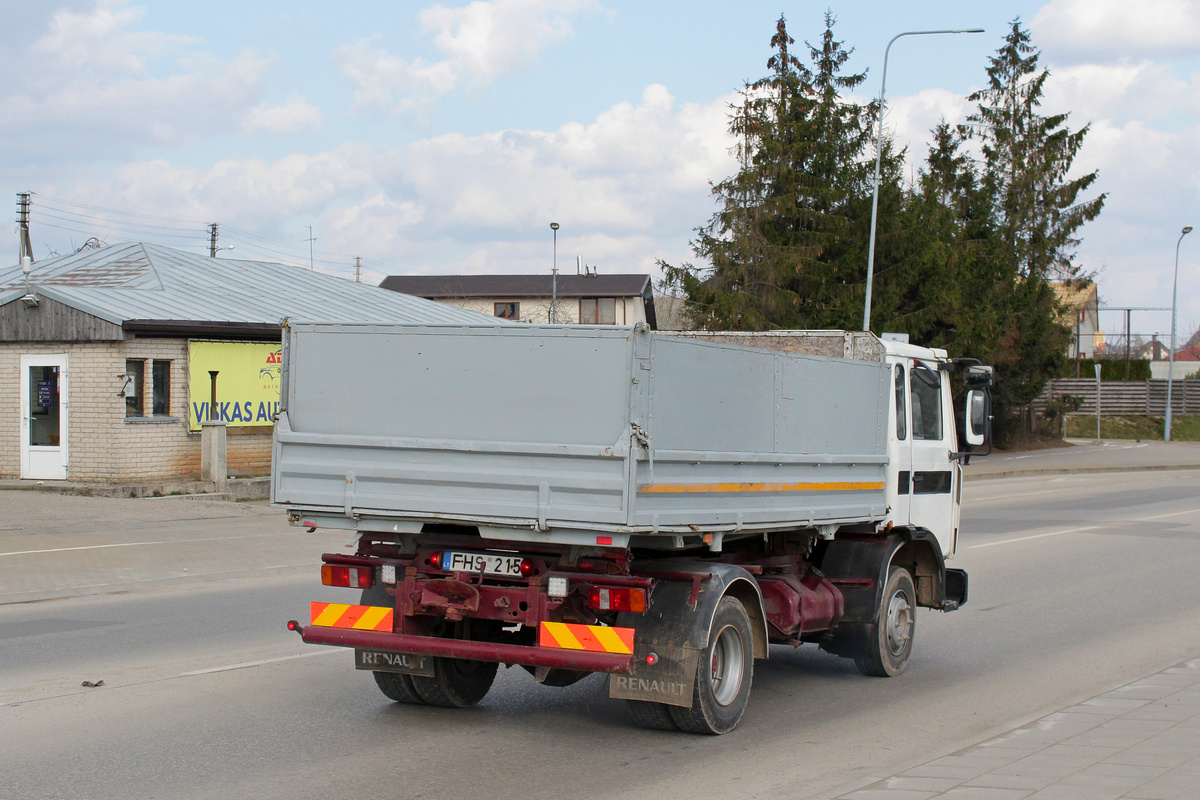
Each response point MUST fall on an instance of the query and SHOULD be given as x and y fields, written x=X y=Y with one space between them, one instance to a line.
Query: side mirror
x=978 y=417
x=979 y=376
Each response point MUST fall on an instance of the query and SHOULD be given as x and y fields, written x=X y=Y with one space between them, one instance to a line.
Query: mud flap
x=674 y=630
x=669 y=680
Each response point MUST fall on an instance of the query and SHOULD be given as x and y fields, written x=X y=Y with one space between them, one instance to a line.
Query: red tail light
x=350 y=577
x=435 y=560
x=600 y=598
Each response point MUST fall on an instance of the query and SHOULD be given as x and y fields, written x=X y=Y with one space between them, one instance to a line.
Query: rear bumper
x=473 y=651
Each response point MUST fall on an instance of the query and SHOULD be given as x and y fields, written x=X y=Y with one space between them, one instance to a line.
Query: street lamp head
x=1186 y=230
x=968 y=30
x=553 y=226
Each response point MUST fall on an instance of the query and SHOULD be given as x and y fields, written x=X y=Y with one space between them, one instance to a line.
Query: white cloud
x=91 y=86
x=482 y=41
x=296 y=115
x=1115 y=30
x=626 y=188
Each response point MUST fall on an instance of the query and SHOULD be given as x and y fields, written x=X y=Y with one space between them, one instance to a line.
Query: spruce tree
x=1037 y=213
x=777 y=243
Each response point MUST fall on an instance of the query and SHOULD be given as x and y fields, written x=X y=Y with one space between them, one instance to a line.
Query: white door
x=899 y=448
x=44 y=417
x=934 y=479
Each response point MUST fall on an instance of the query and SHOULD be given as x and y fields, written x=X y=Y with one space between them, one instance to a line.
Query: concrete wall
x=630 y=310
x=105 y=446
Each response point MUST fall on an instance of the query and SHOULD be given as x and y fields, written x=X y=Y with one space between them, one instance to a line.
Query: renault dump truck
x=661 y=507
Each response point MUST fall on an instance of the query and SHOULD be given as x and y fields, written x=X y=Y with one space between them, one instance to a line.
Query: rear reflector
x=613 y=598
x=350 y=577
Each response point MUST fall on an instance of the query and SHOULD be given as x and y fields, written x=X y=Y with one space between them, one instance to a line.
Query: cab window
x=901 y=408
x=926 y=396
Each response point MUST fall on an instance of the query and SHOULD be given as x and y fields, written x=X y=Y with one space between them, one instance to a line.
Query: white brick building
x=618 y=299
x=96 y=351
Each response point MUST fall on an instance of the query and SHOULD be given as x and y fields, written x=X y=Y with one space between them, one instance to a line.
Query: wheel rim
x=899 y=623
x=728 y=666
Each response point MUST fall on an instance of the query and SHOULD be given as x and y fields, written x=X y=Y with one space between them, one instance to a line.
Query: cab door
x=899 y=448
x=935 y=477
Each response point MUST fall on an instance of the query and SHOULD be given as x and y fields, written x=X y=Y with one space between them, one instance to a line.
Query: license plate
x=504 y=566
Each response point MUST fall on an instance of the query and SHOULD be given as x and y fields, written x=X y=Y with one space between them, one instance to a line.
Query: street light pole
x=1171 y=355
x=878 y=154
x=554 y=279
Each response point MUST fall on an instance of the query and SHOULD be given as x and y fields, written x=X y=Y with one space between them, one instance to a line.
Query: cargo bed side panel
x=508 y=425
x=751 y=438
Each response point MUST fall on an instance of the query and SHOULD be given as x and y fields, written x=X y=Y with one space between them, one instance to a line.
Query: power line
x=116 y=223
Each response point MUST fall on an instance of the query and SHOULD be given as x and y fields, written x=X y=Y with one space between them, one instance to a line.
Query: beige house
x=1080 y=302
x=571 y=299
x=107 y=358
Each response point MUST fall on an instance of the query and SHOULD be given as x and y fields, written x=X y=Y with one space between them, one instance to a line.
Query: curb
x=237 y=489
x=1018 y=473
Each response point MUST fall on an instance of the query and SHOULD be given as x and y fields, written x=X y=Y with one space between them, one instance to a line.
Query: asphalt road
x=1078 y=582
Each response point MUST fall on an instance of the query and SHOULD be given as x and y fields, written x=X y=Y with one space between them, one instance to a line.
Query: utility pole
x=212 y=240
x=311 y=239
x=358 y=269
x=26 y=250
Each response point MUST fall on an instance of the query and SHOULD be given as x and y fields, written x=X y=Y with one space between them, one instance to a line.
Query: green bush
x=1111 y=369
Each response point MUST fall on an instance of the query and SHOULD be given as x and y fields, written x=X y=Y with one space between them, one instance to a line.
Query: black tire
x=394 y=685
x=456 y=683
x=890 y=636
x=724 y=674
x=398 y=687
x=656 y=716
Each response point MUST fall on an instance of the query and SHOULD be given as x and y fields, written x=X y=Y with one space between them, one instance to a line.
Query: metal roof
x=130 y=282
x=516 y=286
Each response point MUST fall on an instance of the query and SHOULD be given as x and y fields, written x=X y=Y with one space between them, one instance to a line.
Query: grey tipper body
x=585 y=429
x=661 y=507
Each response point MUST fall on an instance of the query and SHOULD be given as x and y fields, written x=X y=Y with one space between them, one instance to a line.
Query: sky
x=440 y=138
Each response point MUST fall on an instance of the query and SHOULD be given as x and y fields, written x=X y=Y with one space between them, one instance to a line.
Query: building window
x=508 y=310
x=161 y=386
x=135 y=386
x=598 y=311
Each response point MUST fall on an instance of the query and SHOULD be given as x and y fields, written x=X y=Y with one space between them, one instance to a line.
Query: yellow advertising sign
x=247 y=382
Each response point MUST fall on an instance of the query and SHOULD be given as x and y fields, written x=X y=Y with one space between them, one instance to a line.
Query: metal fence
x=1122 y=398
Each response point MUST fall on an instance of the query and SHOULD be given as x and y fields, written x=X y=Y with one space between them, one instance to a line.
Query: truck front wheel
x=456 y=683
x=723 y=675
x=890 y=636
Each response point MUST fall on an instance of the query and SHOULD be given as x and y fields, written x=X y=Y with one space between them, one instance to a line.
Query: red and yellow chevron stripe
x=361 y=618
x=597 y=638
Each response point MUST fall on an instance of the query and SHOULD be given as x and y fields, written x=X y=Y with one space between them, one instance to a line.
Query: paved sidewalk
x=1140 y=741
x=1085 y=455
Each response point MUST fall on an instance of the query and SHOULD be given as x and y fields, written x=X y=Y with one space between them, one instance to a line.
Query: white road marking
x=85 y=547
x=138 y=544
x=1035 y=536
x=1081 y=530
x=1172 y=514
x=247 y=664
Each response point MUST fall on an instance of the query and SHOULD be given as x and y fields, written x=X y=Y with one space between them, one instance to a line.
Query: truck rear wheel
x=724 y=674
x=456 y=683
x=394 y=685
x=398 y=687
x=647 y=714
x=890 y=636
